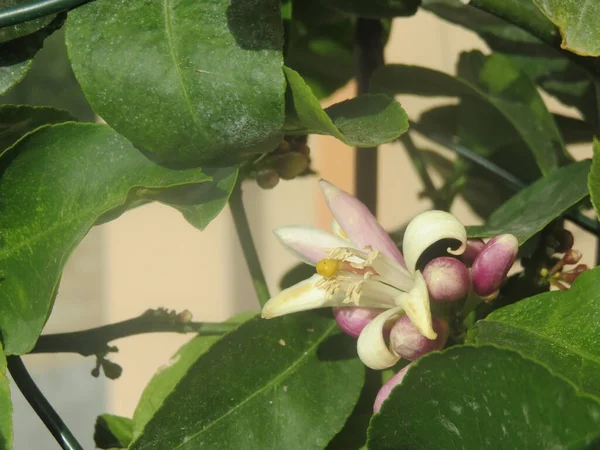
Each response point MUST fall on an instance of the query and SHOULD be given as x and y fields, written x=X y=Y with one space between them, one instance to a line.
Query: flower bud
x=474 y=246
x=564 y=240
x=408 y=343
x=386 y=389
x=283 y=147
x=572 y=256
x=352 y=319
x=291 y=165
x=267 y=179
x=302 y=148
x=493 y=263
x=447 y=279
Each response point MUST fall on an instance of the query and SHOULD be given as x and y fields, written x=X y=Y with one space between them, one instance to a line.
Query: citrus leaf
x=286 y=383
x=6 y=408
x=558 y=328
x=58 y=182
x=483 y=398
x=529 y=211
x=112 y=431
x=192 y=81
x=376 y=9
x=594 y=178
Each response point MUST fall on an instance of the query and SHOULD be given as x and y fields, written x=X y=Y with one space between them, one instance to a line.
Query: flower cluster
x=380 y=295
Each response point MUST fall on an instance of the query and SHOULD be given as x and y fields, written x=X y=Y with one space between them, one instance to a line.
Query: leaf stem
x=20 y=13
x=95 y=340
x=40 y=405
x=242 y=227
x=509 y=179
x=368 y=55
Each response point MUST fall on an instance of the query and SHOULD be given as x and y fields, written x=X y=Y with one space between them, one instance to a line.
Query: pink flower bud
x=474 y=246
x=493 y=263
x=386 y=389
x=447 y=279
x=352 y=319
x=409 y=343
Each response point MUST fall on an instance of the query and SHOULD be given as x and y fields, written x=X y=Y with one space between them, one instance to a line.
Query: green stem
x=242 y=227
x=420 y=166
x=29 y=11
x=40 y=405
x=95 y=340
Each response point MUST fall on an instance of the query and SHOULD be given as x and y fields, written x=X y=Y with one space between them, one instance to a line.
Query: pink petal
x=309 y=244
x=358 y=223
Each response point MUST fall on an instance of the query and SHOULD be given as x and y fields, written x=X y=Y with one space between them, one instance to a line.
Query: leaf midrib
x=274 y=381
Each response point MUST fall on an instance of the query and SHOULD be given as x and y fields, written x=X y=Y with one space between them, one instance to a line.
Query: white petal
x=416 y=306
x=428 y=228
x=371 y=346
x=309 y=243
x=300 y=297
x=337 y=230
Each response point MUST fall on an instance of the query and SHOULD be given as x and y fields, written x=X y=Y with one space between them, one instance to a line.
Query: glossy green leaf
x=57 y=182
x=594 y=178
x=376 y=8
x=287 y=383
x=192 y=81
x=495 y=81
x=364 y=121
x=6 y=408
x=112 y=431
x=18 y=120
x=483 y=398
x=577 y=21
x=16 y=55
x=529 y=211
x=166 y=378
x=558 y=328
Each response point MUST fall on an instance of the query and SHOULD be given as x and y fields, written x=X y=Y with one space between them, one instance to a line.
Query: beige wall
x=151 y=257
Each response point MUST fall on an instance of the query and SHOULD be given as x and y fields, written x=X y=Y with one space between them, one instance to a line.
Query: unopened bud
x=493 y=263
x=301 y=148
x=291 y=165
x=447 y=279
x=352 y=319
x=184 y=317
x=564 y=240
x=408 y=343
x=386 y=389
x=267 y=179
x=111 y=370
x=572 y=257
x=283 y=147
x=474 y=246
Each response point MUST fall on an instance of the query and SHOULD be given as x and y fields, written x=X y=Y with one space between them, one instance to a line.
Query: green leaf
x=18 y=120
x=483 y=398
x=529 y=211
x=364 y=121
x=6 y=408
x=594 y=178
x=192 y=81
x=112 y=431
x=57 y=183
x=558 y=328
x=21 y=29
x=17 y=54
x=495 y=81
x=376 y=9
x=287 y=383
x=164 y=381
x=577 y=22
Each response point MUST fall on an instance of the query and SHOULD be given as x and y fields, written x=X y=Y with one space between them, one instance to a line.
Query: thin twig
x=509 y=179
x=40 y=405
x=368 y=55
x=242 y=227
x=95 y=340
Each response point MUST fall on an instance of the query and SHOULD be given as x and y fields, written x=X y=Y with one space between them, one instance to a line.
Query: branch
x=40 y=405
x=95 y=340
x=29 y=11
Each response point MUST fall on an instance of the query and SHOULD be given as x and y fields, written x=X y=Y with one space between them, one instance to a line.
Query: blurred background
x=151 y=257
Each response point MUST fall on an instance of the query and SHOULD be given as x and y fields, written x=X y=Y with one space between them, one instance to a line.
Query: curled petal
x=372 y=348
x=474 y=246
x=337 y=230
x=358 y=223
x=416 y=306
x=300 y=297
x=428 y=228
x=386 y=389
x=308 y=243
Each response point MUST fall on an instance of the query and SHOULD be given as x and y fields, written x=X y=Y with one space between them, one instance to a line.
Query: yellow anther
x=328 y=267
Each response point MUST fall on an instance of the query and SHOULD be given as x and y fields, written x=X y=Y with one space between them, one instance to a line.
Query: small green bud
x=267 y=179
x=291 y=165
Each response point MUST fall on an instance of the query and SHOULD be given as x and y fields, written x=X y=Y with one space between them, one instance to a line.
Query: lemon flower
x=360 y=265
